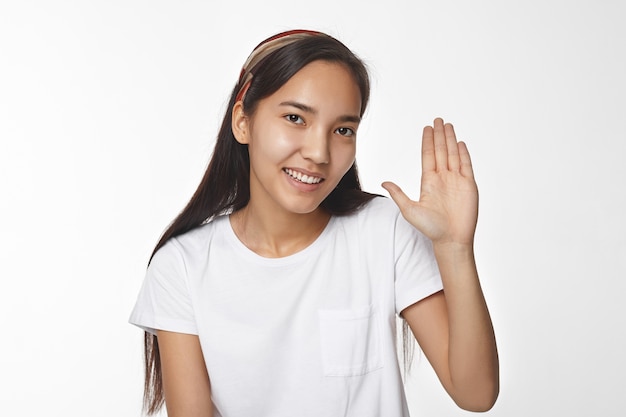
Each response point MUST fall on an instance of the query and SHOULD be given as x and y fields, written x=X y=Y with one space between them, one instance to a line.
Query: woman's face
x=302 y=138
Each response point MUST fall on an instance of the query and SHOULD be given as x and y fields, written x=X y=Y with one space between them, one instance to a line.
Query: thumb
x=397 y=195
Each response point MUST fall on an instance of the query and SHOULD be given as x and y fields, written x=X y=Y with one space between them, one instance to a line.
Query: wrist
x=454 y=247
x=455 y=252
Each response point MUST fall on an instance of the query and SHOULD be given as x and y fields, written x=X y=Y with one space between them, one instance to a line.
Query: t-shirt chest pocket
x=350 y=341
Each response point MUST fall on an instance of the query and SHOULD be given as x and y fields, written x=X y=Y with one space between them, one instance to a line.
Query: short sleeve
x=164 y=302
x=416 y=272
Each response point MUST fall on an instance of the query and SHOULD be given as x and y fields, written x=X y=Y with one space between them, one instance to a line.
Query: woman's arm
x=454 y=330
x=453 y=327
x=185 y=378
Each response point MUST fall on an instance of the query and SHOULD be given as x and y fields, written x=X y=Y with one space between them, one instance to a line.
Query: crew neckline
x=250 y=255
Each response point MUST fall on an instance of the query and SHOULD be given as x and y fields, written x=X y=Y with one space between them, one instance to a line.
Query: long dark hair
x=225 y=186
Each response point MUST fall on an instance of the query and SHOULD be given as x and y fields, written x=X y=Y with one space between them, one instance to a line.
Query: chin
x=303 y=208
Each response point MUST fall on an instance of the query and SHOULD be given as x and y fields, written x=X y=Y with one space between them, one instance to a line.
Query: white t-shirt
x=310 y=334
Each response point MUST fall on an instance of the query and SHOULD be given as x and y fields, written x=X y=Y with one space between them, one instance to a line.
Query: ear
x=240 y=124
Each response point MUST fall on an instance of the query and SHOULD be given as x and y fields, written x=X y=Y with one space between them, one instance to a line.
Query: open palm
x=447 y=209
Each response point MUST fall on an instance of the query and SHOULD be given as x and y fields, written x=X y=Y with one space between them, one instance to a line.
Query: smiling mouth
x=298 y=176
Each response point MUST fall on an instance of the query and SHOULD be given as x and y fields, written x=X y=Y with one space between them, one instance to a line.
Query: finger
x=453 y=148
x=441 y=149
x=466 y=161
x=428 y=150
x=397 y=195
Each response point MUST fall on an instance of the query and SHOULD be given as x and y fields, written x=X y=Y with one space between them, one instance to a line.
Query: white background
x=108 y=110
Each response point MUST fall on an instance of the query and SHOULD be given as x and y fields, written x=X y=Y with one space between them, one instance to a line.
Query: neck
x=275 y=236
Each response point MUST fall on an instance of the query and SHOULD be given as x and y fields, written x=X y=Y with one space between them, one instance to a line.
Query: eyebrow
x=311 y=110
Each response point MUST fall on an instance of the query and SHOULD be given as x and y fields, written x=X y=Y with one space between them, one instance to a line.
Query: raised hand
x=447 y=209
x=453 y=327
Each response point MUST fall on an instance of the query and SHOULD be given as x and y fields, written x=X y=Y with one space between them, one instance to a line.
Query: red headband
x=263 y=50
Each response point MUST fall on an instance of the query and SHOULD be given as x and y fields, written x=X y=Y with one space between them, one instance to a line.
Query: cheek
x=274 y=143
x=344 y=155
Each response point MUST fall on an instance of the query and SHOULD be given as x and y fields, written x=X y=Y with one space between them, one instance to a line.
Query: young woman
x=275 y=292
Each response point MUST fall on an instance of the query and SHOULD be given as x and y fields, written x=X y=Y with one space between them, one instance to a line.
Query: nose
x=316 y=147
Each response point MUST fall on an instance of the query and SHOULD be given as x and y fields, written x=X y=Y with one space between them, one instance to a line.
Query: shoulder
x=381 y=217
x=201 y=233
x=375 y=220
x=379 y=210
x=191 y=245
x=381 y=206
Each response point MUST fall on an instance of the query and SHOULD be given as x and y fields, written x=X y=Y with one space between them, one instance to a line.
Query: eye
x=294 y=118
x=345 y=131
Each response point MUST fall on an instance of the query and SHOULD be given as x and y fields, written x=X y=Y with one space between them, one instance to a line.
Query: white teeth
x=302 y=177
